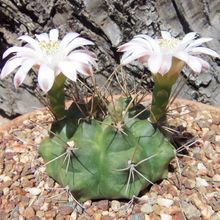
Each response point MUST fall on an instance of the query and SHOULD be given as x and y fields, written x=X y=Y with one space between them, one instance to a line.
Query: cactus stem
x=56 y=97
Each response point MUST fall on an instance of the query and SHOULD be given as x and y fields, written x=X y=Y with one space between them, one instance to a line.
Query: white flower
x=51 y=56
x=158 y=54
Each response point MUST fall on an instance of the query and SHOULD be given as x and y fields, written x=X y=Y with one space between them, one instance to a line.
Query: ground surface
x=191 y=190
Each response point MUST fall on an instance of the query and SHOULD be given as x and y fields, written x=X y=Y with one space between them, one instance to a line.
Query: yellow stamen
x=168 y=43
x=49 y=47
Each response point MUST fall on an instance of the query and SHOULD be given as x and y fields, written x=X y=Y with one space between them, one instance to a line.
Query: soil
x=191 y=190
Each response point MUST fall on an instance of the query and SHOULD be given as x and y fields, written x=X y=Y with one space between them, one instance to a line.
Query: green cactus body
x=100 y=164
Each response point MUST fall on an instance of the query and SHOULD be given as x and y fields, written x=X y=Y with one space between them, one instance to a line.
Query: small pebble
x=87 y=204
x=202 y=170
x=164 y=202
x=73 y=215
x=6 y=191
x=216 y=178
x=200 y=182
x=207 y=212
x=165 y=216
x=90 y=211
x=65 y=210
x=28 y=212
x=50 y=214
x=4 y=178
x=216 y=216
x=44 y=207
x=40 y=214
x=106 y=217
x=115 y=205
x=146 y=208
x=190 y=210
x=33 y=191
x=103 y=205
x=105 y=213
x=139 y=216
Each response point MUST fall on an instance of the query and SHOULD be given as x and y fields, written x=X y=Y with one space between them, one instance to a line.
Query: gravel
x=191 y=190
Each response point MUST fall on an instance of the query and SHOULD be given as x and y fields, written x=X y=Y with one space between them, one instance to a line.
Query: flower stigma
x=49 y=47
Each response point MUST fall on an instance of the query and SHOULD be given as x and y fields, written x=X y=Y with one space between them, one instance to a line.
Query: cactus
x=102 y=160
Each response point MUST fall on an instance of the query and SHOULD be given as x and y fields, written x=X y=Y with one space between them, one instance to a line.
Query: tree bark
x=109 y=23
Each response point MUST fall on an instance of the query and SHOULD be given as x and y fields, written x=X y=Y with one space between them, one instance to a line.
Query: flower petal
x=83 y=56
x=129 y=57
x=143 y=43
x=54 y=34
x=126 y=47
x=166 y=65
x=205 y=51
x=198 y=42
x=42 y=37
x=189 y=37
x=143 y=59
x=195 y=64
x=16 y=49
x=166 y=35
x=153 y=43
x=154 y=63
x=77 y=42
x=68 y=69
x=205 y=64
x=83 y=68
x=68 y=38
x=22 y=72
x=182 y=55
x=32 y=42
x=11 y=65
x=46 y=78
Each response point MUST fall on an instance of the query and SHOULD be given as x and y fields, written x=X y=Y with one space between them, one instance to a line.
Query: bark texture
x=109 y=23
